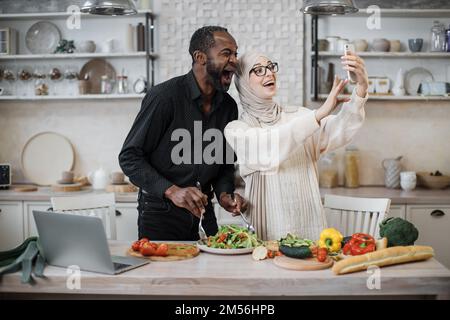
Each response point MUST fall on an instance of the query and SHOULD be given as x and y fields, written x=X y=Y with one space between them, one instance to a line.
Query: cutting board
x=121 y=188
x=177 y=251
x=67 y=187
x=309 y=264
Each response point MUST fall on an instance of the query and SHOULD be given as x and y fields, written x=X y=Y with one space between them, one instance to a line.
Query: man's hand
x=233 y=205
x=189 y=198
x=354 y=63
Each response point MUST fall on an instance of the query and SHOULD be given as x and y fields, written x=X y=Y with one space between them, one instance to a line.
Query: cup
x=333 y=44
x=108 y=46
x=415 y=45
x=117 y=177
x=395 y=46
x=83 y=86
x=67 y=177
x=408 y=180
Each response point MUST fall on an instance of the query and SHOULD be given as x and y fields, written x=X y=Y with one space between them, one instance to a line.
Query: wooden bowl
x=433 y=182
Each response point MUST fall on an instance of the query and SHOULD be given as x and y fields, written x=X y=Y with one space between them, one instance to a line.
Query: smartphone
x=350 y=74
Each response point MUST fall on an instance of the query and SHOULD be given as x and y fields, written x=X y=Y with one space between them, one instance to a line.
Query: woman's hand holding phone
x=356 y=69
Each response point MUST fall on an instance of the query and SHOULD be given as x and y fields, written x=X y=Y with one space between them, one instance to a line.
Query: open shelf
x=370 y=54
x=397 y=98
x=77 y=56
x=78 y=97
x=62 y=15
x=407 y=13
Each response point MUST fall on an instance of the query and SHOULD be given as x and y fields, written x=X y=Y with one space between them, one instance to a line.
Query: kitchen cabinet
x=11 y=224
x=126 y=221
x=397 y=211
x=433 y=223
x=30 y=229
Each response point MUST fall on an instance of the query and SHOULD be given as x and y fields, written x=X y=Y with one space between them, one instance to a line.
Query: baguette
x=384 y=257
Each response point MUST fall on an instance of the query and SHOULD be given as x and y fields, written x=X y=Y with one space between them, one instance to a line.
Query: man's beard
x=215 y=75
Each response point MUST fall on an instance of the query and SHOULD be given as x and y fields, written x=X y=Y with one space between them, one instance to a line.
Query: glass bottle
x=447 y=32
x=351 y=176
x=328 y=171
x=437 y=37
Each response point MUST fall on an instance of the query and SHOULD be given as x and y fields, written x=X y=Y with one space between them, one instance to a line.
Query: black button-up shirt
x=146 y=156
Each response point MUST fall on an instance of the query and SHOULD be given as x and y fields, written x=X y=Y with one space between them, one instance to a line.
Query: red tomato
x=162 y=250
x=136 y=245
x=147 y=250
x=322 y=254
x=154 y=245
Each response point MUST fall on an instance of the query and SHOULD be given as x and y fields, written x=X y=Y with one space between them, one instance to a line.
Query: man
x=174 y=195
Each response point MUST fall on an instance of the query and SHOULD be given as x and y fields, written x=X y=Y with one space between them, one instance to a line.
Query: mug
x=408 y=180
x=415 y=45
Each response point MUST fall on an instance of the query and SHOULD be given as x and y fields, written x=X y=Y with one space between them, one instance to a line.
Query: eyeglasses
x=261 y=71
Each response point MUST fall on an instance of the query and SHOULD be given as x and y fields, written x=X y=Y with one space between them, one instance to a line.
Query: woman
x=278 y=150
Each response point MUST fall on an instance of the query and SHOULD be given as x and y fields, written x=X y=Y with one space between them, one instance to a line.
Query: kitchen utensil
x=247 y=224
x=415 y=45
x=203 y=247
x=414 y=77
x=308 y=264
x=93 y=71
x=395 y=45
x=408 y=180
x=382 y=45
x=426 y=180
x=45 y=156
x=98 y=179
x=437 y=37
x=176 y=252
x=42 y=37
x=201 y=231
x=392 y=169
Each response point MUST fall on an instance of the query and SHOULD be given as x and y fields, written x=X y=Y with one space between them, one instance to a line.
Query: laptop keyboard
x=118 y=266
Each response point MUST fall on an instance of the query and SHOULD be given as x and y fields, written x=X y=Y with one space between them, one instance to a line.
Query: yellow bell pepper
x=331 y=240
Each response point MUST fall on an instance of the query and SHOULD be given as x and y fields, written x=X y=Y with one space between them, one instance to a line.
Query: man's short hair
x=203 y=39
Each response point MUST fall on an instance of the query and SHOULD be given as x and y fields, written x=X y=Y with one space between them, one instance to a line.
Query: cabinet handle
x=118 y=213
x=437 y=213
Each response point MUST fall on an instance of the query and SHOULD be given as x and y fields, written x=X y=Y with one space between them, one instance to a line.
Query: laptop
x=69 y=240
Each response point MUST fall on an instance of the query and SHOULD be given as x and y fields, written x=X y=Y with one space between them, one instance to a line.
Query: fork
x=248 y=225
x=201 y=231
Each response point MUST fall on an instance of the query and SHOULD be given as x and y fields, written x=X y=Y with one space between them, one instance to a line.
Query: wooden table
x=217 y=276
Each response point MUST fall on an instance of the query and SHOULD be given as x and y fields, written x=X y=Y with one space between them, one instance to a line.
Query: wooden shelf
x=406 y=13
x=396 y=98
x=370 y=54
x=80 y=97
x=62 y=15
x=77 y=56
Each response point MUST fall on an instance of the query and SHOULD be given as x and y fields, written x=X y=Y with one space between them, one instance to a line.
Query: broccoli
x=399 y=232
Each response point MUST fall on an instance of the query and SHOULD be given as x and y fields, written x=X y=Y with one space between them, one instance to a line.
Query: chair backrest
x=352 y=215
x=96 y=205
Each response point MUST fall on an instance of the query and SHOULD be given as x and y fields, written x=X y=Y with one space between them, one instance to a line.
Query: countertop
x=210 y=275
x=397 y=196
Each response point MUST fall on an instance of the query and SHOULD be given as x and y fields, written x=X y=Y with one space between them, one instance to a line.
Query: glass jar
x=437 y=37
x=122 y=85
x=106 y=85
x=41 y=87
x=328 y=171
x=351 y=177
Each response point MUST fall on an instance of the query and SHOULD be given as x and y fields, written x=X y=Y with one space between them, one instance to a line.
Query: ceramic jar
x=382 y=45
x=360 y=45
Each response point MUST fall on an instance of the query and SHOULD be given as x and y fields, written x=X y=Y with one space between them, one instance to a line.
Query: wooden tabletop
x=211 y=275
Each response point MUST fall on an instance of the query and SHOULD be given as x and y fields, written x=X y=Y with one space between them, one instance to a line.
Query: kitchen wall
x=417 y=130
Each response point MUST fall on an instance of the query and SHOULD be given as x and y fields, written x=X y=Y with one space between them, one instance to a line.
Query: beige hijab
x=256 y=111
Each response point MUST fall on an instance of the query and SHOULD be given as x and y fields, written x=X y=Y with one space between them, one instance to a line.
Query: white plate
x=45 y=156
x=42 y=37
x=205 y=248
x=414 y=77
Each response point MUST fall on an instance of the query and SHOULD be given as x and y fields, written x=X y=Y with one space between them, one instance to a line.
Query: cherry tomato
x=147 y=249
x=322 y=254
x=162 y=250
x=136 y=245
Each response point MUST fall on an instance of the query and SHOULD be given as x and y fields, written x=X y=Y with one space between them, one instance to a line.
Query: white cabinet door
x=29 y=224
x=126 y=221
x=224 y=217
x=397 y=211
x=11 y=224
x=433 y=223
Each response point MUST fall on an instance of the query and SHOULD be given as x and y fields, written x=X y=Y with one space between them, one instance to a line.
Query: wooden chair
x=352 y=215
x=97 y=205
